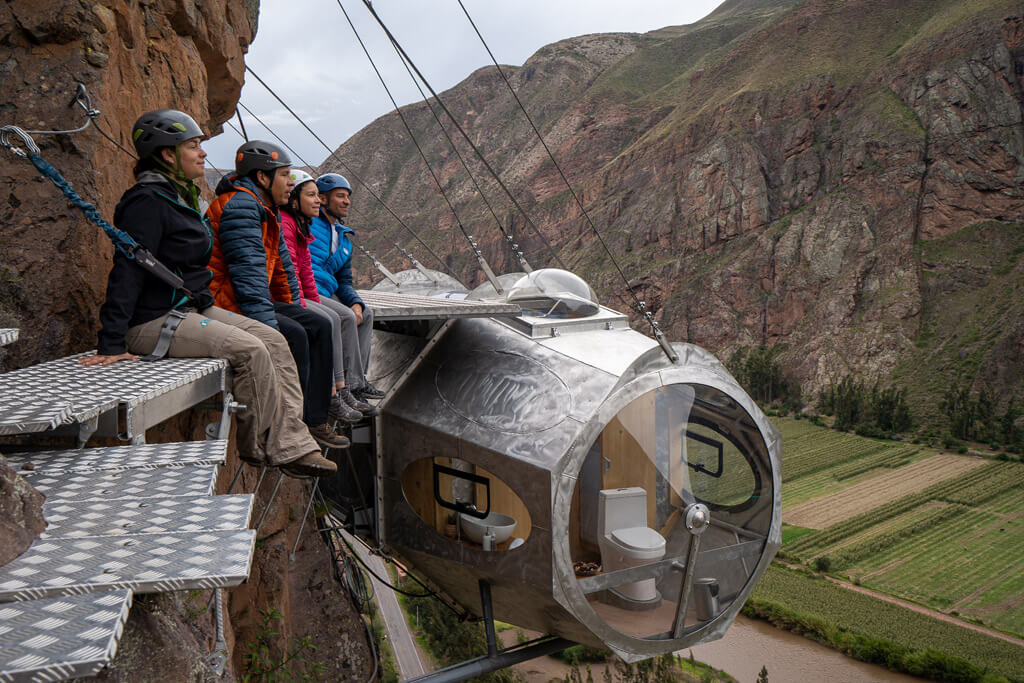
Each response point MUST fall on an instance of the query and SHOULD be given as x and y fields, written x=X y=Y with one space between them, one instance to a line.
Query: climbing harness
x=167 y=330
x=124 y=243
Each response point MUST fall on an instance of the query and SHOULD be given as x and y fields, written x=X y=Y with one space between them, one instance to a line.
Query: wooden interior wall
x=505 y=501
x=630 y=452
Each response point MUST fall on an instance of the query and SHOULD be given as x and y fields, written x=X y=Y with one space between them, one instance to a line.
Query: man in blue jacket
x=331 y=255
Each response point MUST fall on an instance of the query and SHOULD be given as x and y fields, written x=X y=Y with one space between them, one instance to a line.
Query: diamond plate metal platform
x=124 y=518
x=393 y=306
x=78 y=518
x=164 y=482
x=124 y=399
x=114 y=458
x=8 y=335
x=20 y=414
x=60 y=638
x=145 y=563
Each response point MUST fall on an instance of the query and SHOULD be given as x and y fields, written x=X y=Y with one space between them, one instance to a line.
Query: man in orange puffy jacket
x=253 y=275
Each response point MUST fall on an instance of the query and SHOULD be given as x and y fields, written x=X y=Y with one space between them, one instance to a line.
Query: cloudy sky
x=306 y=51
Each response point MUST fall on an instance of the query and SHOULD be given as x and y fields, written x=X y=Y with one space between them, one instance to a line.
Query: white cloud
x=306 y=51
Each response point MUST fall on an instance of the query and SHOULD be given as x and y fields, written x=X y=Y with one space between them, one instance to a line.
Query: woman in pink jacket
x=303 y=204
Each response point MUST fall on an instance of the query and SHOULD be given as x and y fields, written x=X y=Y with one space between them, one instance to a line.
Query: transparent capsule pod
x=603 y=492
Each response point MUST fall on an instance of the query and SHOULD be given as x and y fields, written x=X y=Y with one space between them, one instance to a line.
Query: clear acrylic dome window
x=554 y=293
x=674 y=451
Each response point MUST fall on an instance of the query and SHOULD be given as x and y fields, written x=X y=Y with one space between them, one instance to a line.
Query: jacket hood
x=234 y=183
x=340 y=227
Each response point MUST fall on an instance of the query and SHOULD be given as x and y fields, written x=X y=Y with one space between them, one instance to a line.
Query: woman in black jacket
x=162 y=213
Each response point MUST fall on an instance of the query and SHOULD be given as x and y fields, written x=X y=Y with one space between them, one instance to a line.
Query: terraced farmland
x=943 y=530
x=879 y=489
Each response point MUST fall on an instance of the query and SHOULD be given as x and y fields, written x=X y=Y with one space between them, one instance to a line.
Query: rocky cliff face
x=134 y=56
x=772 y=174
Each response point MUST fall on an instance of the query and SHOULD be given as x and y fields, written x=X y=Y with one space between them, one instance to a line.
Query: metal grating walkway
x=61 y=392
x=393 y=306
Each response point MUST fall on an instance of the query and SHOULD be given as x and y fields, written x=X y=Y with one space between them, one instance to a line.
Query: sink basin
x=474 y=529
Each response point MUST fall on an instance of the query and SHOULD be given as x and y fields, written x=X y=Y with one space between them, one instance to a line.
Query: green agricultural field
x=840 y=611
x=955 y=544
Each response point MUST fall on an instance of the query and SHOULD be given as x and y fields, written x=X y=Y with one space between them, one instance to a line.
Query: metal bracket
x=697 y=518
x=87 y=429
x=380 y=266
x=415 y=263
x=484 y=266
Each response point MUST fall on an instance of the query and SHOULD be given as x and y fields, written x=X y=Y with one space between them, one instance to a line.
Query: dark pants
x=309 y=338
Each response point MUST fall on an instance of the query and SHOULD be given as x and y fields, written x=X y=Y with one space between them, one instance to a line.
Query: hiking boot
x=367 y=391
x=353 y=403
x=342 y=410
x=325 y=436
x=312 y=465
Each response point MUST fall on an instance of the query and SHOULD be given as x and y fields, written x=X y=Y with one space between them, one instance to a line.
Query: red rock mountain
x=134 y=56
x=843 y=177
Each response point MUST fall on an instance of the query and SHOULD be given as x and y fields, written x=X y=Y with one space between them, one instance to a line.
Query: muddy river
x=750 y=644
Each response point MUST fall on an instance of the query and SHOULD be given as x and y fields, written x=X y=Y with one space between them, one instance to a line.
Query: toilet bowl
x=626 y=541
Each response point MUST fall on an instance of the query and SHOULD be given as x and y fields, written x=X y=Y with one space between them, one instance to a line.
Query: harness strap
x=167 y=330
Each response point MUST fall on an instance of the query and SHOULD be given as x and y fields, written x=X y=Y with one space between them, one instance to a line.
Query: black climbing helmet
x=257 y=155
x=163 y=128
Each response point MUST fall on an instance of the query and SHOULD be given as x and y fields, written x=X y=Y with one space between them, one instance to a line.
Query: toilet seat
x=639 y=538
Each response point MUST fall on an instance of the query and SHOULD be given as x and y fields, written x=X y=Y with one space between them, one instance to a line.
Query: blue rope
x=123 y=242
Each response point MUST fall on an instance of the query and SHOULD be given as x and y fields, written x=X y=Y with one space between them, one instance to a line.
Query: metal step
x=114 y=458
x=122 y=519
x=78 y=518
x=144 y=563
x=59 y=638
x=118 y=400
x=21 y=414
x=188 y=480
x=8 y=335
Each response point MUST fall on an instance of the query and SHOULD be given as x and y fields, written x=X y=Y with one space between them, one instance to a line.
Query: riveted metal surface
x=145 y=563
x=118 y=517
x=397 y=306
x=8 y=335
x=189 y=480
x=55 y=639
x=114 y=458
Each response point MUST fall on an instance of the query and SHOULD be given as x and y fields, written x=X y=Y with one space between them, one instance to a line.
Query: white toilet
x=626 y=541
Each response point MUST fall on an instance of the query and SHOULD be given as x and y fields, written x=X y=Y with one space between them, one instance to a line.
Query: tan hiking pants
x=270 y=429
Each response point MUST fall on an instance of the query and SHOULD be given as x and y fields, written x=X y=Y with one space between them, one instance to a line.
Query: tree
x=762 y=676
x=759 y=371
x=1009 y=434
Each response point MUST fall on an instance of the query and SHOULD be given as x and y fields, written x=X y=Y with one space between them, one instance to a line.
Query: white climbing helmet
x=299 y=177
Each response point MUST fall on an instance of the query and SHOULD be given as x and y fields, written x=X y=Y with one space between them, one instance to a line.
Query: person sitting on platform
x=331 y=255
x=163 y=213
x=304 y=205
x=252 y=273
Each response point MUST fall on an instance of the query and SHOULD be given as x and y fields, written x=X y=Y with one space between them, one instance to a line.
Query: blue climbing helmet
x=332 y=181
x=163 y=128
